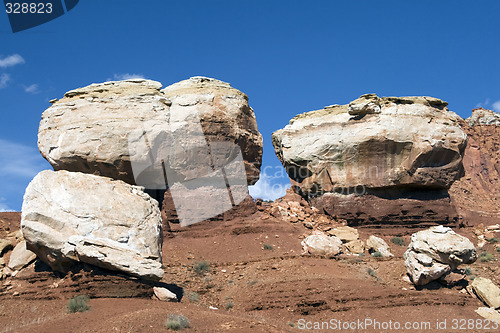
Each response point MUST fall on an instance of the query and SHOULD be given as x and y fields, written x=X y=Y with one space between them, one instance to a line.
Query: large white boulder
x=373 y=142
x=72 y=216
x=321 y=244
x=118 y=129
x=435 y=252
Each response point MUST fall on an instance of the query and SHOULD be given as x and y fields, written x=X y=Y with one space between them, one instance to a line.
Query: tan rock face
x=373 y=143
x=70 y=216
x=98 y=129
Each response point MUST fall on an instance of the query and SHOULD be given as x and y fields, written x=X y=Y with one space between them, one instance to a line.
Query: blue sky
x=287 y=56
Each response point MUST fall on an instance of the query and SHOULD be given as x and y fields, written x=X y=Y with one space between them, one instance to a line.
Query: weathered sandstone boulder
x=477 y=193
x=126 y=130
x=489 y=313
x=377 y=244
x=322 y=245
x=225 y=117
x=20 y=257
x=487 y=292
x=435 y=252
x=71 y=216
x=364 y=155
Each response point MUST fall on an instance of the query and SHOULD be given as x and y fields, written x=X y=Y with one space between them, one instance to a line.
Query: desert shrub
x=398 y=241
x=201 y=267
x=78 y=304
x=493 y=240
x=268 y=247
x=192 y=296
x=485 y=257
x=371 y=272
x=291 y=324
x=229 y=305
x=177 y=322
x=468 y=271
x=498 y=249
x=377 y=254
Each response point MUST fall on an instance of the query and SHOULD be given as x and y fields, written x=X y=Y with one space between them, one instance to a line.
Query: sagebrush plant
x=229 y=305
x=268 y=247
x=377 y=254
x=201 y=267
x=498 y=249
x=398 y=241
x=485 y=257
x=371 y=272
x=177 y=322
x=468 y=271
x=78 y=304
x=493 y=240
x=192 y=296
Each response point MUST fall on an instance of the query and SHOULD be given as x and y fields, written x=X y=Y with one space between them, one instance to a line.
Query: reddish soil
x=254 y=289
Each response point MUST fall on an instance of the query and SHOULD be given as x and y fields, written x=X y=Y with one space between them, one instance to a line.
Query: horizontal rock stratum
x=98 y=128
x=376 y=159
x=72 y=216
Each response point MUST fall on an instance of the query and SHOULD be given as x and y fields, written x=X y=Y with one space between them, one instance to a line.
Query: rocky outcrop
x=356 y=161
x=434 y=252
x=127 y=130
x=477 y=194
x=70 y=216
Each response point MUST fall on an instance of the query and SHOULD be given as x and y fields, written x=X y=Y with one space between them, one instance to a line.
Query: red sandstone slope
x=477 y=193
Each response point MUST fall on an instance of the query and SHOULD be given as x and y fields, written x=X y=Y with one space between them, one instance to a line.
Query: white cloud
x=483 y=104
x=127 y=76
x=11 y=60
x=269 y=187
x=19 y=160
x=4 y=207
x=32 y=89
x=4 y=80
x=496 y=106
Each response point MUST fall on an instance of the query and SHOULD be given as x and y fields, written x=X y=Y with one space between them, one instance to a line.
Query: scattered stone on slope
x=435 y=252
x=70 y=216
x=20 y=257
x=489 y=313
x=487 y=292
x=322 y=245
x=377 y=244
x=163 y=294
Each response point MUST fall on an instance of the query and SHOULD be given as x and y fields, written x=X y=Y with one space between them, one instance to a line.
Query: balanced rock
x=71 y=216
x=126 y=130
x=322 y=245
x=487 y=291
x=435 y=252
x=355 y=161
